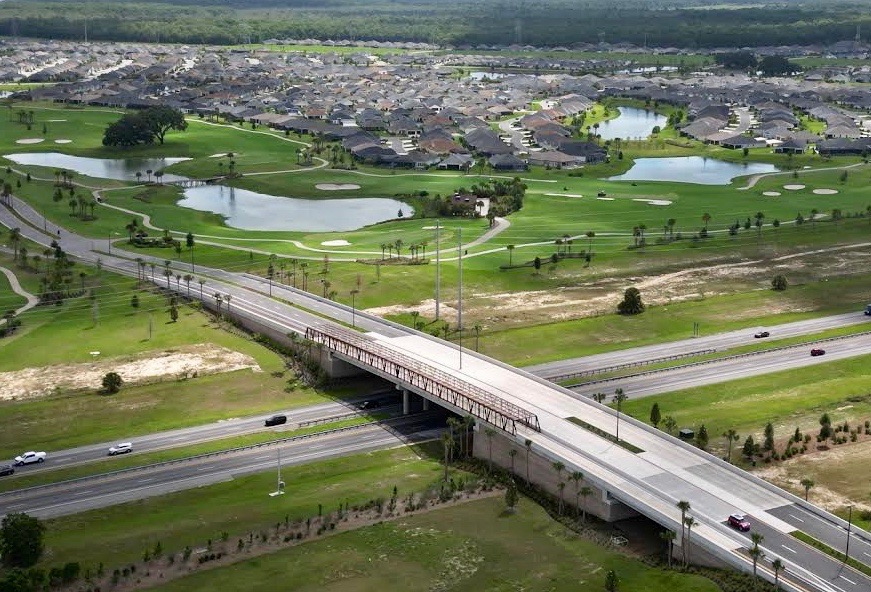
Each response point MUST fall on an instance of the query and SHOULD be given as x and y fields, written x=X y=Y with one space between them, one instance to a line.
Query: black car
x=370 y=404
x=761 y=334
x=7 y=470
x=276 y=420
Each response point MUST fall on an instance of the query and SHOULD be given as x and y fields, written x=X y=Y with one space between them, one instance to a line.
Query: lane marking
x=789 y=549
x=261 y=457
x=144 y=480
x=849 y=580
x=796 y=517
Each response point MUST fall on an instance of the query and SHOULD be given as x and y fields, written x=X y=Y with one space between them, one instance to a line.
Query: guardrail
x=16 y=492
x=723 y=359
x=331 y=419
x=614 y=368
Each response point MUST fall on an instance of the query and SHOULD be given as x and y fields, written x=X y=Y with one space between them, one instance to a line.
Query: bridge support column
x=406 y=396
x=425 y=403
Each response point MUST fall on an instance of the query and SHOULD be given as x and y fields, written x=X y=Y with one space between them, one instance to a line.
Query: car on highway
x=275 y=420
x=818 y=352
x=6 y=470
x=29 y=458
x=370 y=404
x=761 y=334
x=739 y=521
x=122 y=448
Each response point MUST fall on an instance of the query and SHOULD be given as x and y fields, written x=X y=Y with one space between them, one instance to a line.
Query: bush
x=631 y=303
x=779 y=283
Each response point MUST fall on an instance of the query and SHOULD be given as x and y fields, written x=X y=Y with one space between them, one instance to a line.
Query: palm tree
x=684 y=507
x=528 y=444
x=510 y=255
x=756 y=554
x=706 y=217
x=188 y=278
x=731 y=436
x=619 y=397
x=689 y=521
x=398 y=244
x=560 y=486
x=511 y=454
x=447 y=444
x=585 y=492
x=202 y=283
x=668 y=536
x=559 y=467
x=219 y=299
x=814 y=213
x=15 y=239
x=158 y=175
x=577 y=476
x=477 y=329
x=807 y=483
x=777 y=566
x=131 y=229
x=490 y=432
x=228 y=298
x=590 y=235
x=138 y=176
x=148 y=172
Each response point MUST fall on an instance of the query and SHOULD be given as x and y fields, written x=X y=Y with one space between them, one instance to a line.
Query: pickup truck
x=30 y=458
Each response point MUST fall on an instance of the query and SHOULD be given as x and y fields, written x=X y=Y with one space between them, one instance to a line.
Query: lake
x=632 y=124
x=691 y=169
x=249 y=210
x=120 y=169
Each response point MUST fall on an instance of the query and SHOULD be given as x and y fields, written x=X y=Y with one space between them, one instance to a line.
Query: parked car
x=276 y=420
x=6 y=470
x=122 y=448
x=29 y=458
x=761 y=334
x=818 y=352
x=739 y=521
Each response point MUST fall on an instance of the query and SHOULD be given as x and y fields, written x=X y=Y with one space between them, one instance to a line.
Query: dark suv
x=7 y=470
x=276 y=420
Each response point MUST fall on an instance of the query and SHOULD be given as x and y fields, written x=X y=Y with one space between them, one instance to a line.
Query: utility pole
x=460 y=295
x=438 y=268
x=849 y=529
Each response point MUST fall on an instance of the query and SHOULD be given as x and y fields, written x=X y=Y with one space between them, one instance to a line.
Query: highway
x=204 y=433
x=60 y=499
x=651 y=482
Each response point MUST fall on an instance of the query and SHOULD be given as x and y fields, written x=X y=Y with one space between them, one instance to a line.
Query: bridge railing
x=459 y=393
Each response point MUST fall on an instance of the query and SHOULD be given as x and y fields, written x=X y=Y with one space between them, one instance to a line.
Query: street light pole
x=460 y=295
x=438 y=268
x=353 y=308
x=849 y=529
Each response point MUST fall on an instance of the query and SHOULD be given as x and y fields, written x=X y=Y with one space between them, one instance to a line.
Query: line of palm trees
x=417 y=250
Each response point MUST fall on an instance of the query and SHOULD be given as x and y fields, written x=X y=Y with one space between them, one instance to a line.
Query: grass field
x=238 y=506
x=473 y=546
x=9 y=300
x=795 y=398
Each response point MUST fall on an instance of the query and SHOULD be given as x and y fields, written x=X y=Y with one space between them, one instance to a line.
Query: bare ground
x=183 y=362
x=596 y=297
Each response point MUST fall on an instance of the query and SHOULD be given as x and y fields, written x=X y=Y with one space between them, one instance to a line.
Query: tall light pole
x=438 y=267
x=849 y=529
x=460 y=295
x=353 y=307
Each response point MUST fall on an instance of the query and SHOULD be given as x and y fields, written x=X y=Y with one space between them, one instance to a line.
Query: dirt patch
x=184 y=362
x=336 y=186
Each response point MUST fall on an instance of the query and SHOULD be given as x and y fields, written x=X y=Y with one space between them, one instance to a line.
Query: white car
x=122 y=448
x=30 y=458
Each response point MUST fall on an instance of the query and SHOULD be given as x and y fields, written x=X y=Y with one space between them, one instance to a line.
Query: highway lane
x=212 y=431
x=67 y=498
x=682 y=377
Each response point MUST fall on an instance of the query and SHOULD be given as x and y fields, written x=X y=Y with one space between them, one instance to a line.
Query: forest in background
x=544 y=23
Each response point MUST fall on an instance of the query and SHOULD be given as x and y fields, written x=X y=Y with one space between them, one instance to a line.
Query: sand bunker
x=55 y=120
x=605 y=198
x=793 y=187
x=654 y=202
x=771 y=193
x=825 y=191
x=62 y=141
x=219 y=155
x=564 y=194
x=30 y=140
x=335 y=243
x=336 y=186
x=176 y=364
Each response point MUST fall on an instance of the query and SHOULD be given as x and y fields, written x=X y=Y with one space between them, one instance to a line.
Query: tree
x=668 y=536
x=173 y=313
x=670 y=424
x=510 y=253
x=778 y=567
x=15 y=239
x=755 y=554
x=825 y=428
x=447 y=444
x=689 y=521
x=161 y=118
x=134 y=301
x=528 y=444
x=684 y=507
x=768 y=443
x=21 y=541
x=585 y=492
x=112 y=382
x=777 y=66
x=702 y=437
x=731 y=437
x=536 y=264
x=631 y=303
x=619 y=397
x=512 y=454
x=489 y=432
x=706 y=217
x=130 y=130
x=577 y=477
x=561 y=487
x=655 y=416
x=611 y=581
x=779 y=283
x=511 y=496
x=807 y=483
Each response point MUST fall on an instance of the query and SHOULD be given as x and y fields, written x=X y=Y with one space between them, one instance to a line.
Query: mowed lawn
x=68 y=334
x=790 y=399
x=191 y=518
x=473 y=546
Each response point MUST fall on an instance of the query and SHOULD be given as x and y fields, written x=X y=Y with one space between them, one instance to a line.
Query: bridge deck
x=459 y=393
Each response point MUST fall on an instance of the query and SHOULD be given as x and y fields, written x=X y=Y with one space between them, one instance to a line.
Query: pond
x=120 y=169
x=632 y=124
x=249 y=210
x=691 y=169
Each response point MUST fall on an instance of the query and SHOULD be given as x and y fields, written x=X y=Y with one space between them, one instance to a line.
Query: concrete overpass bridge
x=647 y=475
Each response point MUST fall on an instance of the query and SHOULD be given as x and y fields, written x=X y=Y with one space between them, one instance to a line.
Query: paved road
x=61 y=499
x=203 y=433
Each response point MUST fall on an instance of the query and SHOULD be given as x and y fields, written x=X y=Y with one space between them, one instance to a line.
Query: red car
x=739 y=521
x=817 y=352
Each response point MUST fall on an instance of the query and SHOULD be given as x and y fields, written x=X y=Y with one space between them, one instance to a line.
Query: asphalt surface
x=97 y=492
x=203 y=433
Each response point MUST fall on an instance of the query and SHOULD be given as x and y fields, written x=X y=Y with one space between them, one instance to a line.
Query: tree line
x=494 y=22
